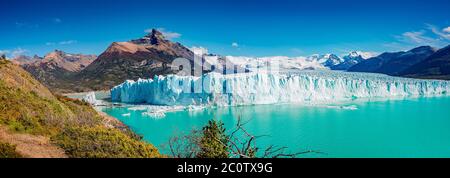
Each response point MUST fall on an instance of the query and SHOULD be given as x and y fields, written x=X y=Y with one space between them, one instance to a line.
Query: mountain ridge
x=392 y=63
x=436 y=66
x=139 y=58
x=57 y=67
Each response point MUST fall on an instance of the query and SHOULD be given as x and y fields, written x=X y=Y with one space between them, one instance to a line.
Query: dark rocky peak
x=155 y=37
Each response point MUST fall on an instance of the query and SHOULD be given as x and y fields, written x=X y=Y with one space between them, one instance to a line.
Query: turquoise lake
x=401 y=128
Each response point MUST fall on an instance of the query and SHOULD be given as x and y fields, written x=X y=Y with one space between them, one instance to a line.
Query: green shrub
x=214 y=141
x=27 y=112
x=101 y=142
x=8 y=151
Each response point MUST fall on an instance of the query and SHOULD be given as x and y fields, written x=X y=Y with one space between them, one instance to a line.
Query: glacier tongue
x=271 y=88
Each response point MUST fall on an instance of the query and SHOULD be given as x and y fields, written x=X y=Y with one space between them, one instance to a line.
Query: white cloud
x=235 y=45
x=69 y=42
x=18 y=51
x=4 y=52
x=26 y=25
x=167 y=34
x=445 y=33
x=417 y=37
x=447 y=30
x=13 y=53
x=431 y=36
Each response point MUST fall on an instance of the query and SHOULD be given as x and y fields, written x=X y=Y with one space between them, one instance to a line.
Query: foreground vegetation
x=8 y=151
x=27 y=107
x=108 y=143
x=213 y=141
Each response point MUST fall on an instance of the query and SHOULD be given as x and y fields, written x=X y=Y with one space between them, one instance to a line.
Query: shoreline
x=108 y=121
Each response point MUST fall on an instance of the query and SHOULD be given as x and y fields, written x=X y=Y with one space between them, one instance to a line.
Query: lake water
x=415 y=127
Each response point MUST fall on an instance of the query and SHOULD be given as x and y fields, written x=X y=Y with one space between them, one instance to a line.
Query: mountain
x=36 y=123
x=327 y=60
x=393 y=63
x=57 y=67
x=62 y=60
x=140 y=58
x=22 y=59
x=246 y=64
x=350 y=60
x=436 y=66
x=406 y=60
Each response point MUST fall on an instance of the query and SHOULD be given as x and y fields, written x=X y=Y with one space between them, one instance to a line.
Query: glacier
x=92 y=99
x=272 y=88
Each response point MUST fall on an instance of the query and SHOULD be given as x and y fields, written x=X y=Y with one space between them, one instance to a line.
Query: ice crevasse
x=271 y=88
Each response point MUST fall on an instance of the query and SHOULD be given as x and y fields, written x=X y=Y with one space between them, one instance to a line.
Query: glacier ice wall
x=271 y=88
x=91 y=99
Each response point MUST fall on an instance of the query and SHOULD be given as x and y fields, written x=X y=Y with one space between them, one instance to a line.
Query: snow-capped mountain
x=327 y=60
x=361 y=54
x=272 y=63
x=313 y=62
x=352 y=59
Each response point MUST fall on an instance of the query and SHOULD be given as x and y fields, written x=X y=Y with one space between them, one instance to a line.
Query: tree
x=242 y=144
x=3 y=57
x=214 y=141
x=185 y=145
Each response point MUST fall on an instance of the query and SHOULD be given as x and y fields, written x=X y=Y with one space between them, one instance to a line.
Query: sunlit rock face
x=272 y=88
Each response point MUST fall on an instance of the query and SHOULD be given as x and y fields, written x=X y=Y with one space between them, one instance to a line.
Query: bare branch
x=240 y=144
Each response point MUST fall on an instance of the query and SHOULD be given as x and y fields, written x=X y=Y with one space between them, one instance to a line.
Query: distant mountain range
x=393 y=63
x=435 y=66
x=56 y=69
x=140 y=58
x=22 y=59
x=153 y=54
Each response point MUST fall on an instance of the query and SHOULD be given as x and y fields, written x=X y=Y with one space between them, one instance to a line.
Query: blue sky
x=232 y=27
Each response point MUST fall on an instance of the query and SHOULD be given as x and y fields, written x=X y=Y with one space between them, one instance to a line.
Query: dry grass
x=31 y=146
